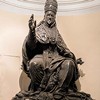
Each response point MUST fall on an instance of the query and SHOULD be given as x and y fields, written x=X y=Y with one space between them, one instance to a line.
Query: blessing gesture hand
x=32 y=23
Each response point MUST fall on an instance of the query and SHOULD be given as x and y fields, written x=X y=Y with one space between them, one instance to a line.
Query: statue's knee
x=69 y=63
x=32 y=64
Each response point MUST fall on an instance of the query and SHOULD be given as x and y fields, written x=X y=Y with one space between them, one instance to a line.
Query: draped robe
x=47 y=47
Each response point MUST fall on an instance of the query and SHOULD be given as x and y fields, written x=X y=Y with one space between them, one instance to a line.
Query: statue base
x=29 y=95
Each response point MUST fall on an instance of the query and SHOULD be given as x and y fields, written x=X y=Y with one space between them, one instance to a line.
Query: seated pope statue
x=51 y=66
x=46 y=58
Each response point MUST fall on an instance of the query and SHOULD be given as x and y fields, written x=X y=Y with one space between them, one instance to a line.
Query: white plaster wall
x=13 y=29
x=81 y=33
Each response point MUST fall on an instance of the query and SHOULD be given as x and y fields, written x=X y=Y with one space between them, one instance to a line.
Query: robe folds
x=46 y=47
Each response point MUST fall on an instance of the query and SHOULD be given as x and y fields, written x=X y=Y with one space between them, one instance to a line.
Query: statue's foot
x=35 y=93
x=59 y=94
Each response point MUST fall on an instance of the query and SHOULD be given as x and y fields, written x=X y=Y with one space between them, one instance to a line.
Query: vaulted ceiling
x=37 y=6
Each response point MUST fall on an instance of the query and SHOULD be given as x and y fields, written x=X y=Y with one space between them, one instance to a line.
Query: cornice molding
x=61 y=2
x=33 y=6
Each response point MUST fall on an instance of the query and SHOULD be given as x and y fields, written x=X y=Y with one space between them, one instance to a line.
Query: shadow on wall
x=24 y=81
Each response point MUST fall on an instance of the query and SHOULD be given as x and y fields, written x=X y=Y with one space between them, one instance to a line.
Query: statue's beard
x=50 y=22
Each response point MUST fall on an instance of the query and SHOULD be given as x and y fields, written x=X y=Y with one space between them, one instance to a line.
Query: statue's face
x=50 y=17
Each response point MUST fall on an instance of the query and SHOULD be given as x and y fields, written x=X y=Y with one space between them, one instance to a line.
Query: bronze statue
x=51 y=66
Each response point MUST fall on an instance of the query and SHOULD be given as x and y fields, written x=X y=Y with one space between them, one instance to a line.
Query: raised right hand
x=32 y=23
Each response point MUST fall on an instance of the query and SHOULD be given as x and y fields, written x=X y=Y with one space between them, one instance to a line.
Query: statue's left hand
x=79 y=61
